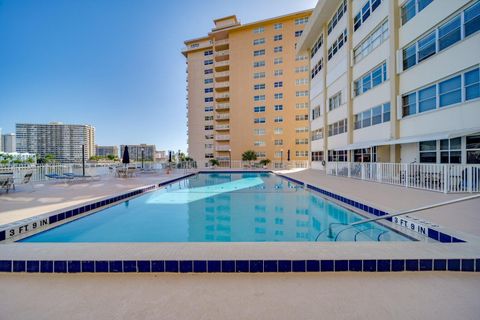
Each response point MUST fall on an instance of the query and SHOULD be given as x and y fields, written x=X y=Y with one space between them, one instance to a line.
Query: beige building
x=394 y=81
x=248 y=90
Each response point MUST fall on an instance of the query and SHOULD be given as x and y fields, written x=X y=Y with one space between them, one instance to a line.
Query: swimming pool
x=222 y=207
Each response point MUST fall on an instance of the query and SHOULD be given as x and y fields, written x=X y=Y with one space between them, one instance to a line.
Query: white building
x=8 y=143
x=394 y=81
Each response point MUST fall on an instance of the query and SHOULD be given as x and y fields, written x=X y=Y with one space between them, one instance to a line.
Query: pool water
x=222 y=207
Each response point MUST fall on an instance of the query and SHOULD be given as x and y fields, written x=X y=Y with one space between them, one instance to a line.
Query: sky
x=114 y=64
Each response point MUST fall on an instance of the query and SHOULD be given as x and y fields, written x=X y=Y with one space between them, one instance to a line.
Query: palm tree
x=249 y=156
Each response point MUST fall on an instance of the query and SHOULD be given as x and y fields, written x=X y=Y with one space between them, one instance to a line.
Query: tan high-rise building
x=248 y=90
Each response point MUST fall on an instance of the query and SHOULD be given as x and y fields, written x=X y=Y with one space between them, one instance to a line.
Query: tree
x=249 y=155
x=214 y=162
x=49 y=158
x=265 y=162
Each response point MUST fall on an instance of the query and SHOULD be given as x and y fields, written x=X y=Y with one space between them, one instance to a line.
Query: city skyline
x=109 y=72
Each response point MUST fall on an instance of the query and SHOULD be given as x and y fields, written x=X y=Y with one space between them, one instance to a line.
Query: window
x=208 y=90
x=277 y=37
x=259 y=30
x=259 y=131
x=317 y=155
x=258 y=41
x=208 y=128
x=450 y=91
x=365 y=13
x=278 y=107
x=261 y=154
x=301 y=153
x=208 y=145
x=378 y=36
x=337 y=44
x=209 y=99
x=317 y=68
x=207 y=62
x=409 y=104
x=301 y=81
x=371 y=79
x=316 y=112
x=301 y=58
x=301 y=141
x=257 y=53
x=208 y=109
x=301 y=129
x=301 y=93
x=300 y=21
x=340 y=155
x=208 y=118
x=278 y=26
x=278 y=131
x=278 y=119
x=207 y=81
x=278 y=73
x=208 y=53
x=278 y=142
x=317 y=134
x=473 y=149
x=428 y=151
x=442 y=37
x=208 y=71
x=337 y=16
x=209 y=155
x=209 y=136
x=278 y=60
x=411 y=8
x=427 y=99
x=259 y=109
x=301 y=69
x=278 y=49
x=258 y=75
x=335 y=101
x=472 y=84
x=259 y=143
x=303 y=105
x=258 y=64
x=278 y=84
x=451 y=150
x=316 y=46
x=278 y=96
x=367 y=118
x=259 y=98
x=301 y=117
x=338 y=127
x=365 y=155
x=260 y=86
x=298 y=33
x=259 y=120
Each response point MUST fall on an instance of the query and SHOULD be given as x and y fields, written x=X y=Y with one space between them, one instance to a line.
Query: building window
x=428 y=151
x=208 y=53
x=373 y=41
x=259 y=120
x=364 y=13
x=259 y=98
x=259 y=131
x=278 y=26
x=207 y=62
x=316 y=112
x=208 y=128
x=209 y=155
x=278 y=96
x=301 y=153
x=303 y=105
x=317 y=68
x=278 y=49
x=209 y=99
x=337 y=44
x=317 y=134
x=301 y=130
x=337 y=156
x=302 y=81
x=259 y=30
x=259 y=143
x=208 y=90
x=259 y=109
x=278 y=131
x=301 y=141
x=258 y=64
x=278 y=73
x=261 y=154
x=300 y=21
x=301 y=69
x=451 y=150
x=411 y=8
x=301 y=58
x=208 y=118
x=442 y=37
x=443 y=93
x=338 y=127
x=278 y=107
x=316 y=46
x=298 y=33
x=301 y=117
x=337 y=16
x=317 y=155
x=278 y=142
x=278 y=84
x=208 y=71
x=372 y=116
x=370 y=80
x=208 y=109
x=260 y=86
x=258 y=41
x=258 y=53
x=277 y=37
x=301 y=93
x=335 y=101
x=278 y=119
x=207 y=81
x=259 y=75
x=365 y=155
x=473 y=149
x=278 y=60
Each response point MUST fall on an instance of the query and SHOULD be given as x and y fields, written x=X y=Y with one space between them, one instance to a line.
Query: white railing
x=252 y=165
x=447 y=178
x=221 y=106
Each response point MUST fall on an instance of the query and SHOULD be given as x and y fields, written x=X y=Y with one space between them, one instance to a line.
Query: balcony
x=225 y=116
x=222 y=65
x=222 y=96
x=221 y=44
x=222 y=127
x=222 y=137
x=223 y=148
x=224 y=75
x=222 y=86
x=222 y=106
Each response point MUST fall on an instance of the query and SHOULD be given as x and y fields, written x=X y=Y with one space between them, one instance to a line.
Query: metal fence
x=447 y=178
x=256 y=165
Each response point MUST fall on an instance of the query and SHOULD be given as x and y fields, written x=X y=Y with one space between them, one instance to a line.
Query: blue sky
x=115 y=64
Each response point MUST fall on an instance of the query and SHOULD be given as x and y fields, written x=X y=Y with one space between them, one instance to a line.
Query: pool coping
x=232 y=257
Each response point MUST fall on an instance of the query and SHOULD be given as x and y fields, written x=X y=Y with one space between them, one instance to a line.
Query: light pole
x=143 y=150
x=230 y=158
x=281 y=157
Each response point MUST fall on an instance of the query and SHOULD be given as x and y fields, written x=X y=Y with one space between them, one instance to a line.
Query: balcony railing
x=222 y=127
x=222 y=85
x=447 y=178
x=221 y=42
x=223 y=148
x=223 y=74
x=222 y=53
x=222 y=106
x=222 y=116
x=222 y=137
x=221 y=64
x=222 y=96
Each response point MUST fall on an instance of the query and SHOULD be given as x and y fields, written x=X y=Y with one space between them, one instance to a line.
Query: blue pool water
x=221 y=207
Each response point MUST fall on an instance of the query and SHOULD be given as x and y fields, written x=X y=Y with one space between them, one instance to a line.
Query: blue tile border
x=431 y=233
x=239 y=266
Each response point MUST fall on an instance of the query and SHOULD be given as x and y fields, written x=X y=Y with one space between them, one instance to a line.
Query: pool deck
x=345 y=295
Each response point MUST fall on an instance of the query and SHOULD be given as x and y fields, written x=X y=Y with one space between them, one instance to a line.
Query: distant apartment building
x=161 y=155
x=104 y=151
x=63 y=141
x=135 y=152
x=394 y=81
x=8 y=142
x=248 y=90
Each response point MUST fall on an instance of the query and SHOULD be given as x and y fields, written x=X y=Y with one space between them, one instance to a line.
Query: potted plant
x=264 y=163
x=214 y=163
